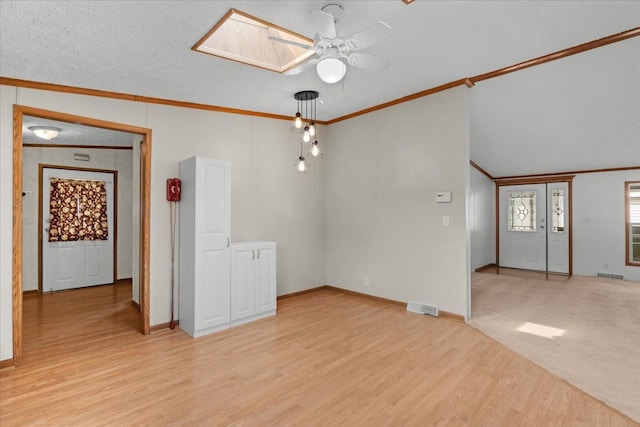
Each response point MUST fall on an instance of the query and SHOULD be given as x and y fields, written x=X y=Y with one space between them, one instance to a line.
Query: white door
x=523 y=228
x=558 y=227
x=79 y=263
x=265 y=274
x=213 y=219
x=243 y=289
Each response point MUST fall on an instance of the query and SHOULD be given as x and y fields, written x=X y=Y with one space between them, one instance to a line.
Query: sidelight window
x=632 y=209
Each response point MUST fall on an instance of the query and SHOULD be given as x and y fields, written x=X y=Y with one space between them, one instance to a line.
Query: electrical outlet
x=367 y=281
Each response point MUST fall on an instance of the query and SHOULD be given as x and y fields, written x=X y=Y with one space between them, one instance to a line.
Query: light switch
x=445 y=220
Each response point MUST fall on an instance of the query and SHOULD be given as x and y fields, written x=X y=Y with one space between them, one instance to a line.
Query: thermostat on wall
x=443 y=197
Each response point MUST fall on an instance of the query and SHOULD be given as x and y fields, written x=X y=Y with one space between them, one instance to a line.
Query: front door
x=534 y=227
x=523 y=233
x=78 y=230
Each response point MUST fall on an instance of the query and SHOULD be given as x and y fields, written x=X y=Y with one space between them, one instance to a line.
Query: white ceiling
x=75 y=134
x=547 y=118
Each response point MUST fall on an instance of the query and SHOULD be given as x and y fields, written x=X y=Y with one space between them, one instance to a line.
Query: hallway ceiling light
x=45 y=132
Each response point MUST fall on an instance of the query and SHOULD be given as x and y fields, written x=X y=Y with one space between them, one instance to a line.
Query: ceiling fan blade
x=367 y=61
x=292 y=43
x=301 y=67
x=369 y=36
x=323 y=23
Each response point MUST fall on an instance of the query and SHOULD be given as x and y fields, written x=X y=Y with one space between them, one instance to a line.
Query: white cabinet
x=205 y=225
x=253 y=280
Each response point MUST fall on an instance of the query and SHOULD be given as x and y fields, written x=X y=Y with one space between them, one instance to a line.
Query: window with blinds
x=633 y=215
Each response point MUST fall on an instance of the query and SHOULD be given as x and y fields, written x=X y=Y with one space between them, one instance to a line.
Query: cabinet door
x=213 y=213
x=243 y=292
x=265 y=274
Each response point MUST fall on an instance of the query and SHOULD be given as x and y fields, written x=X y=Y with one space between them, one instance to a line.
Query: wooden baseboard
x=30 y=292
x=135 y=305
x=161 y=326
x=8 y=363
x=306 y=291
x=441 y=313
x=485 y=267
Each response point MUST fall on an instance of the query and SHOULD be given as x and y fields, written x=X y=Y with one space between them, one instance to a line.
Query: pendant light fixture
x=305 y=120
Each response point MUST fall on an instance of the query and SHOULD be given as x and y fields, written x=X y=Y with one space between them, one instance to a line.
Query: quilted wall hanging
x=77 y=210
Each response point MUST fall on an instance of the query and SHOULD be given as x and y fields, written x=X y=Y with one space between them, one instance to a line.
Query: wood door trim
x=539 y=180
x=627 y=225
x=145 y=204
x=41 y=168
x=91 y=147
x=625 y=168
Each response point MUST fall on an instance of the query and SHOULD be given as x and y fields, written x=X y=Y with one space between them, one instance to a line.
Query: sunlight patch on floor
x=541 y=330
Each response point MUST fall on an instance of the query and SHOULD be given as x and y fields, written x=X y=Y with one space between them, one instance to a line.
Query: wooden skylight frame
x=243 y=38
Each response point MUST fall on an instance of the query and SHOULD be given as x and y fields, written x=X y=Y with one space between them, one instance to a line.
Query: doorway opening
x=142 y=273
x=534 y=231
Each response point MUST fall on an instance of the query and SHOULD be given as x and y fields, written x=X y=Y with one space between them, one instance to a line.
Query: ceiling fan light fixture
x=331 y=70
x=45 y=132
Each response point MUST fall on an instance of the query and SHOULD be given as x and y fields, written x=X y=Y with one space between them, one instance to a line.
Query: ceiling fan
x=331 y=51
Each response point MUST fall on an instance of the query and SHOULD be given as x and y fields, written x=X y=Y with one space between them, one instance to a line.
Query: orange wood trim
x=145 y=204
x=7 y=363
x=97 y=147
x=537 y=180
x=479 y=169
x=135 y=305
x=407 y=98
x=627 y=225
x=136 y=98
x=268 y=24
x=145 y=229
x=41 y=168
x=625 y=168
x=559 y=54
x=17 y=238
x=490 y=266
x=408 y=1
x=497 y=229
x=441 y=313
x=40 y=222
x=162 y=326
x=371 y=297
x=306 y=291
x=469 y=83
x=30 y=292
x=449 y=315
x=570 y=185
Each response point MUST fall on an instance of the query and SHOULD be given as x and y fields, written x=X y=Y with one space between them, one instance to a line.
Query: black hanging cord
x=172 y=232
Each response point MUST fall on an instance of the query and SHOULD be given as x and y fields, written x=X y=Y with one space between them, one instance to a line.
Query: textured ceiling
x=144 y=48
x=74 y=134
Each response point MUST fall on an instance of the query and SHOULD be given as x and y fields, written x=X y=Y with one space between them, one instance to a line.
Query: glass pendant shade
x=306 y=136
x=312 y=129
x=315 y=151
x=301 y=165
x=331 y=70
x=298 y=121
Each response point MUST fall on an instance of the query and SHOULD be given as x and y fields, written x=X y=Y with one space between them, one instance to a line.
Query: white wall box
x=205 y=226
x=253 y=281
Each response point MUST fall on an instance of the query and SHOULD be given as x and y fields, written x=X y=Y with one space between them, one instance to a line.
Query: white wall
x=270 y=201
x=598 y=224
x=119 y=160
x=482 y=219
x=382 y=171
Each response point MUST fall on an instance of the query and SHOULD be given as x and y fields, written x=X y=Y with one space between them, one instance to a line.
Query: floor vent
x=610 y=276
x=418 y=307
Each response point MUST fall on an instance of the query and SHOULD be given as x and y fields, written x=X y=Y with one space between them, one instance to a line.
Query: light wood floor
x=327 y=358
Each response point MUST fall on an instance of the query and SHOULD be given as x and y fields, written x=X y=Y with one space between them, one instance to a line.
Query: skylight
x=244 y=38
